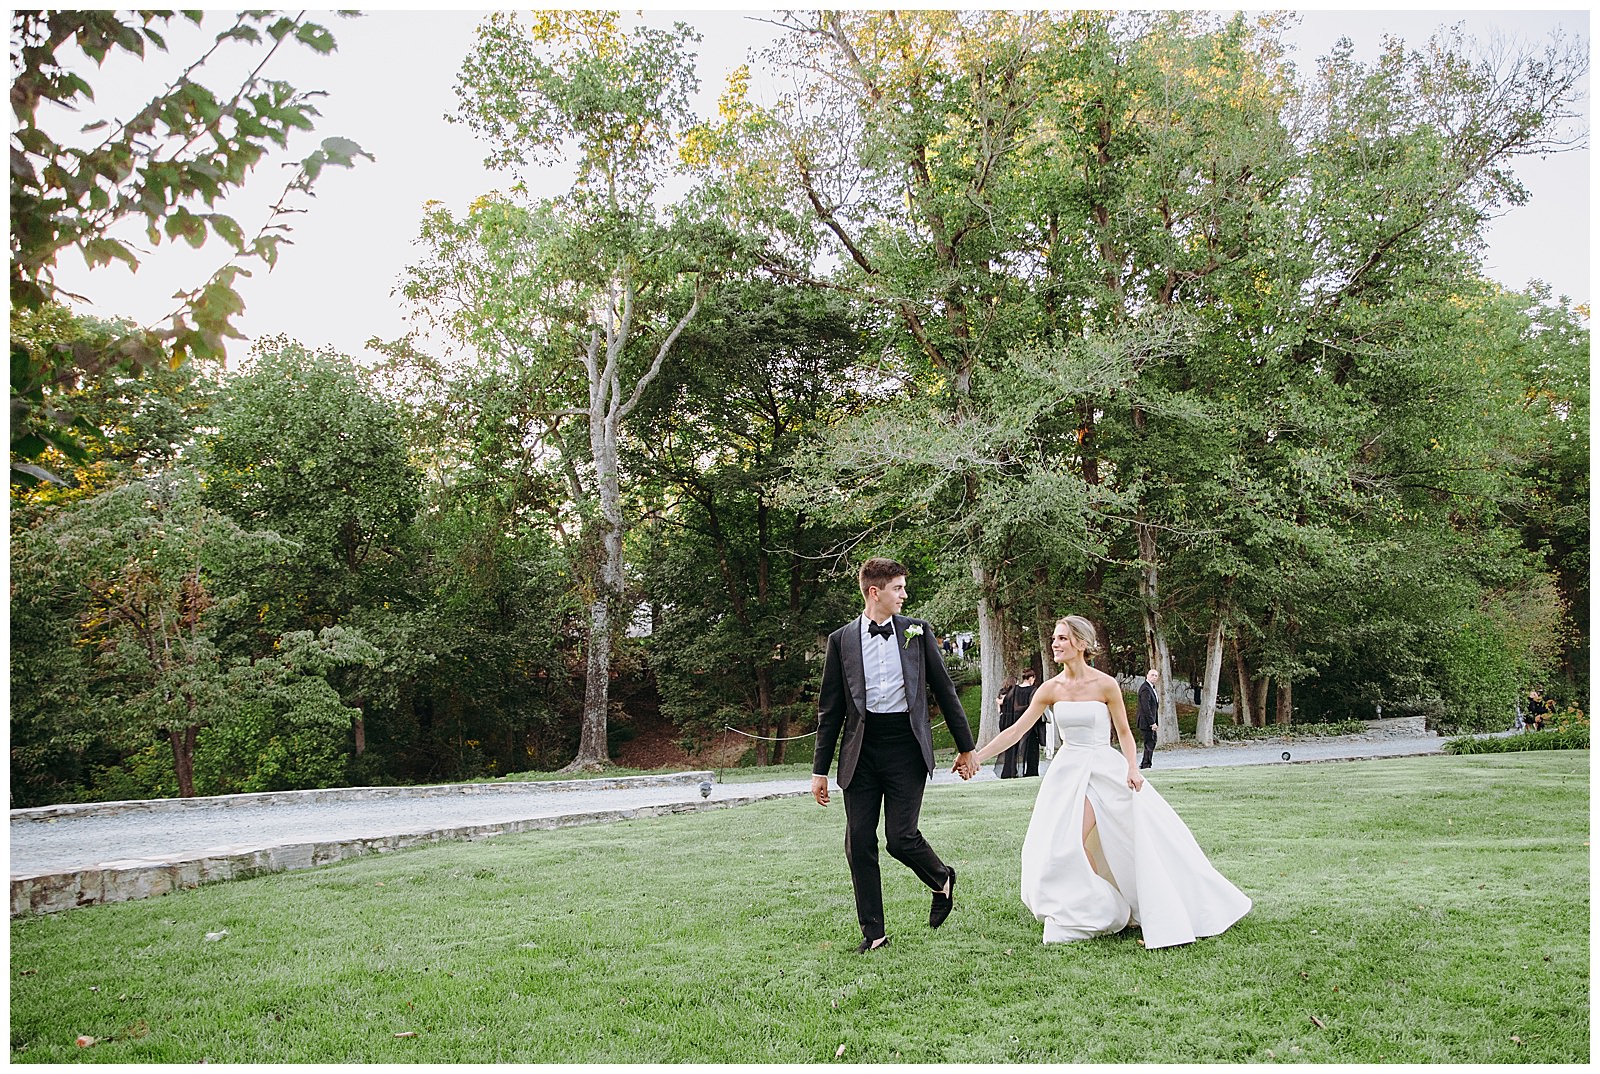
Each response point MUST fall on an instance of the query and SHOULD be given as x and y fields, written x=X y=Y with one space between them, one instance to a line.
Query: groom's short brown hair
x=880 y=571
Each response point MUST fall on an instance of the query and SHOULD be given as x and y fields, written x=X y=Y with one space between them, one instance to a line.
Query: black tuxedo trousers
x=889 y=779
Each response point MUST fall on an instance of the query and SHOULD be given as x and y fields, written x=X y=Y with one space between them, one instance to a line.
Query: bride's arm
x=1013 y=734
x=1119 y=720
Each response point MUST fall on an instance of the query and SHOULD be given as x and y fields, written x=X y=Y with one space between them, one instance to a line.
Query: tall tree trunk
x=1241 y=687
x=1094 y=580
x=596 y=690
x=359 y=724
x=1258 y=700
x=1044 y=624
x=991 y=653
x=608 y=408
x=1285 y=702
x=763 y=678
x=1155 y=637
x=1095 y=612
x=182 y=741
x=1204 y=725
x=1167 y=731
x=592 y=752
x=781 y=733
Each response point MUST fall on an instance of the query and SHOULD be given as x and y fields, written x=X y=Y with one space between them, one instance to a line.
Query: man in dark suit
x=875 y=682
x=1148 y=708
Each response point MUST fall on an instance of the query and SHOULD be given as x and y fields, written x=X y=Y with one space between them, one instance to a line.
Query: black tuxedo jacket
x=842 y=704
x=1147 y=706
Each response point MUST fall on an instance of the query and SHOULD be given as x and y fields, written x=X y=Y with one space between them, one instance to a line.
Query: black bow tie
x=880 y=630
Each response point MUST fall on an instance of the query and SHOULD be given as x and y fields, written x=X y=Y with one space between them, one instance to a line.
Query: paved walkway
x=77 y=855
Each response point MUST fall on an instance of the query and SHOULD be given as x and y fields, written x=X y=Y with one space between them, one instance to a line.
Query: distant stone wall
x=45 y=814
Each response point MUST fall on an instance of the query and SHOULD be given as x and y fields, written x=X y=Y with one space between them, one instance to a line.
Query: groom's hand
x=819 y=789
x=965 y=766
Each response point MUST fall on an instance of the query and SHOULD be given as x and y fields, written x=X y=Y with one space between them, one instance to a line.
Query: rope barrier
x=763 y=738
x=792 y=738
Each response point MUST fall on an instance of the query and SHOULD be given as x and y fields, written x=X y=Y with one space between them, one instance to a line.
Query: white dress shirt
x=880 y=663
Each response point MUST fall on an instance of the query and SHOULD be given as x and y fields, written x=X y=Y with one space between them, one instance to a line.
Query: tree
x=497 y=652
x=144 y=423
x=136 y=567
x=304 y=448
x=1553 y=373
x=165 y=166
x=731 y=575
x=901 y=143
x=582 y=297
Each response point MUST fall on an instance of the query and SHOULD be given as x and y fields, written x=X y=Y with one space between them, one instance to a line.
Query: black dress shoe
x=867 y=945
x=942 y=903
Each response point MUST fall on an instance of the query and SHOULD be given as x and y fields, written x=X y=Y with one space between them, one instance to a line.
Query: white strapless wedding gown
x=1159 y=880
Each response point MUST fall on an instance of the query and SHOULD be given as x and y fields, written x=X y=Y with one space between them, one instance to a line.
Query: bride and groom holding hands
x=1103 y=851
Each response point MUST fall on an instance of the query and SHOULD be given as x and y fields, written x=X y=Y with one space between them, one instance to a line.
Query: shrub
x=1231 y=732
x=1571 y=737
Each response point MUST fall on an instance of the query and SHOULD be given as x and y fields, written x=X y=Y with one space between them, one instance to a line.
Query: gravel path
x=68 y=841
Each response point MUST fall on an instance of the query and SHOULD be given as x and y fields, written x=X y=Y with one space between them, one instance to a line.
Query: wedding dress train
x=1138 y=865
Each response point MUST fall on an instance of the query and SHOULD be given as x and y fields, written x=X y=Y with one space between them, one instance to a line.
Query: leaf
x=316 y=36
x=229 y=230
x=343 y=151
x=102 y=251
x=1318 y=1022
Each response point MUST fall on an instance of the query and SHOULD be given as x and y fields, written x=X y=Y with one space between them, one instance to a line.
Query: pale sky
x=391 y=81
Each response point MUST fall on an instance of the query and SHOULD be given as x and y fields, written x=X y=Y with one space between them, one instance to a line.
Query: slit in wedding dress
x=1092 y=848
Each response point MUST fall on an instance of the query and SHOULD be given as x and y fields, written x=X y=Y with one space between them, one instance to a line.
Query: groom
x=875 y=682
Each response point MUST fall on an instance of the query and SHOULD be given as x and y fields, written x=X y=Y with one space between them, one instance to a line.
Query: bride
x=1104 y=850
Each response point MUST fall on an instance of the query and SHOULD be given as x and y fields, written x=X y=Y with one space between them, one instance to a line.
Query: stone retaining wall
x=346 y=794
x=143 y=878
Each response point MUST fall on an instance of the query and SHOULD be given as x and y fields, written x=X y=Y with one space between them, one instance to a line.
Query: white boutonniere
x=912 y=631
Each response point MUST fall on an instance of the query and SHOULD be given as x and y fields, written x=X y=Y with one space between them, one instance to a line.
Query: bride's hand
x=1135 y=780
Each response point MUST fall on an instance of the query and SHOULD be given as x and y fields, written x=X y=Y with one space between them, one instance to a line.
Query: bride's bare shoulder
x=1107 y=684
x=1050 y=690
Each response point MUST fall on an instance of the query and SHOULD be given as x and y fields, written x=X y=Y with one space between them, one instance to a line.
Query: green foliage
x=1494 y=651
x=1233 y=732
x=131 y=577
x=736 y=578
x=1572 y=737
x=1124 y=315
x=572 y=86
x=144 y=774
x=163 y=167
x=132 y=586
x=579 y=299
x=1199 y=340
x=1552 y=498
x=131 y=425
x=304 y=448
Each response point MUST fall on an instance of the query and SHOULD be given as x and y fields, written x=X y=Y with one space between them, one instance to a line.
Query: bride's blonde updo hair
x=1083 y=630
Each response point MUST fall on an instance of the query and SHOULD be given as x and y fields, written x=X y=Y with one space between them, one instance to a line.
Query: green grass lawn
x=1409 y=910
